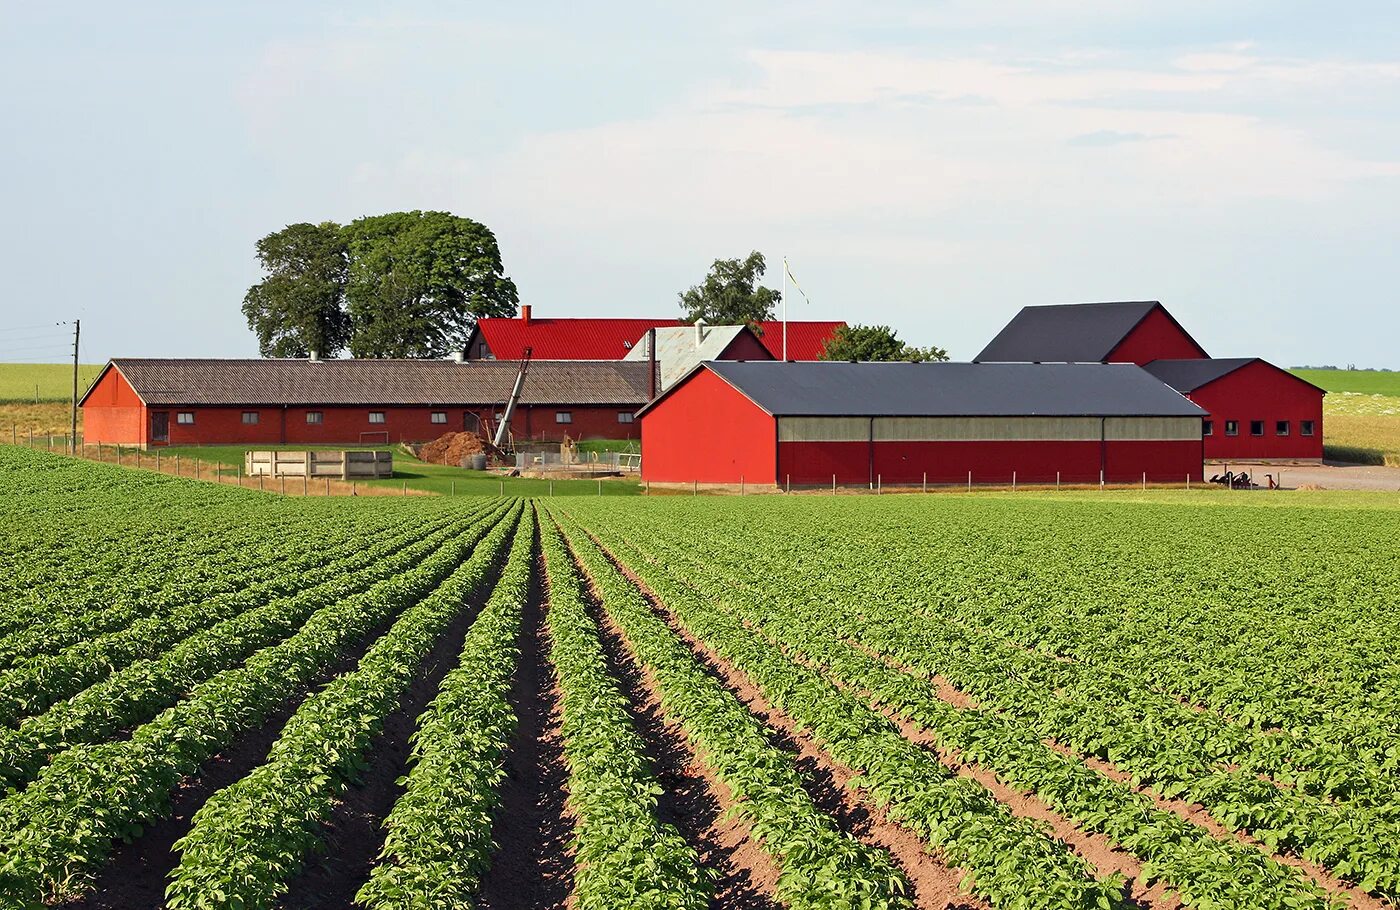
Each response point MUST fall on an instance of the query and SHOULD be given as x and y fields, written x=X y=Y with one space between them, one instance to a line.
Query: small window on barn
x=1281 y=428
x=624 y=416
x=184 y=417
x=1305 y=427
x=1207 y=428
x=315 y=417
x=563 y=416
x=376 y=416
x=1232 y=428
x=438 y=417
x=250 y=417
x=1256 y=428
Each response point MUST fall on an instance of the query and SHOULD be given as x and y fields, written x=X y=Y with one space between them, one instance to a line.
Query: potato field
x=217 y=698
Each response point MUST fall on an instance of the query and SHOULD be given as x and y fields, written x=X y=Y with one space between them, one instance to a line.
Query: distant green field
x=30 y=382
x=1366 y=382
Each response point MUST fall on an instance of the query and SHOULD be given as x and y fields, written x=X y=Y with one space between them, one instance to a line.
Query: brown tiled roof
x=388 y=382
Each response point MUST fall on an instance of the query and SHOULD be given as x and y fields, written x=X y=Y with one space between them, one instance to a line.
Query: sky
x=933 y=166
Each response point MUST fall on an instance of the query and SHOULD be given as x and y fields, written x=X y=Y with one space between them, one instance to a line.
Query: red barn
x=613 y=339
x=897 y=423
x=146 y=402
x=1137 y=332
x=1258 y=412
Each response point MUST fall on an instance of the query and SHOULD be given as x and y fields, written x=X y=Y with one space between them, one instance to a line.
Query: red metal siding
x=1261 y=391
x=1157 y=337
x=1165 y=461
x=989 y=462
x=808 y=463
x=113 y=414
x=706 y=431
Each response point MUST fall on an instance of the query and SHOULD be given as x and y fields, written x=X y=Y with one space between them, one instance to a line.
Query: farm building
x=680 y=348
x=895 y=423
x=147 y=402
x=613 y=339
x=1258 y=412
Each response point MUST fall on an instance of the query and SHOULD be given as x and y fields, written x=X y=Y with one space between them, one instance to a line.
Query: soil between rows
x=532 y=866
x=933 y=883
x=692 y=798
x=137 y=873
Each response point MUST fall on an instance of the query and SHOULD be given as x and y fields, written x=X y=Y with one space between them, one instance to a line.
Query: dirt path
x=532 y=867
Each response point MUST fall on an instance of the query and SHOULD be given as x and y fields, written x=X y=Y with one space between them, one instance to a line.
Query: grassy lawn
x=1361 y=414
x=30 y=382
x=433 y=478
x=1366 y=382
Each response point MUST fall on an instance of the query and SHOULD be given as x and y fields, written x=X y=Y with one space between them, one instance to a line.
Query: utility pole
x=73 y=417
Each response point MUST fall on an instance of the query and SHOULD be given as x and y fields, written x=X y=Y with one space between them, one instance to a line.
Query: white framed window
x=1281 y=428
x=315 y=417
x=1305 y=428
x=1232 y=428
x=438 y=417
x=563 y=416
x=1256 y=428
x=1207 y=428
x=624 y=416
x=250 y=417
x=184 y=417
x=376 y=416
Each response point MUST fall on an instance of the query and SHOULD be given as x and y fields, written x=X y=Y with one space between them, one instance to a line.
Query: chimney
x=525 y=314
x=459 y=356
x=651 y=363
x=315 y=356
x=699 y=332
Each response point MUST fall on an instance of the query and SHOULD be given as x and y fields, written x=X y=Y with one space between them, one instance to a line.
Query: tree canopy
x=875 y=342
x=298 y=308
x=731 y=294
x=405 y=284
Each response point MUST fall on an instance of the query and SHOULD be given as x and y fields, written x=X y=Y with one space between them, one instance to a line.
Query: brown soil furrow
x=532 y=866
x=934 y=883
x=136 y=874
x=354 y=833
x=1197 y=815
x=694 y=800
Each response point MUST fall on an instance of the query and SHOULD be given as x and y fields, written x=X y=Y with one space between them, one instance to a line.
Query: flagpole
x=784 y=309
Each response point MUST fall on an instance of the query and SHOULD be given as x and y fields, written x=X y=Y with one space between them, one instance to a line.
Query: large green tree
x=298 y=307
x=731 y=294
x=419 y=281
x=875 y=342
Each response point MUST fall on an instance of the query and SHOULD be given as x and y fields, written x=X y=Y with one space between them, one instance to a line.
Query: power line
x=30 y=328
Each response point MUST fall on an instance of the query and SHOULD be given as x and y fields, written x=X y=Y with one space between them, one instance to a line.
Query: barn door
x=160 y=426
x=471 y=423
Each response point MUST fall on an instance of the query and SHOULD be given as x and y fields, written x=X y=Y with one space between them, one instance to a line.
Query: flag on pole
x=787 y=271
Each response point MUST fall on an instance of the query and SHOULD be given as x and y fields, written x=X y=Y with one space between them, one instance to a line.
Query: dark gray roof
x=1189 y=375
x=952 y=389
x=1066 y=333
x=388 y=382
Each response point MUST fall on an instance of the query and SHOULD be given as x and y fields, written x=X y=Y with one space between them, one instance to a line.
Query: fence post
x=926 y=481
x=695 y=488
x=177 y=464
x=31 y=437
x=600 y=486
x=1100 y=480
x=741 y=484
x=551 y=486
x=196 y=469
x=879 y=484
x=157 y=461
x=833 y=484
x=1144 y=481
x=454 y=488
x=969 y=481
x=1057 y=481
x=503 y=487
x=305 y=484
x=260 y=483
x=789 y=483
x=328 y=486
x=283 y=479
x=1013 y=481
x=1188 y=480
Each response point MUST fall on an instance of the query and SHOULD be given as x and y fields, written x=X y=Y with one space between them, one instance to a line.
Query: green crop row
x=40 y=682
x=1013 y=862
x=251 y=838
x=438 y=842
x=624 y=856
x=57 y=831
x=300 y=556
x=820 y=867
x=134 y=693
x=1206 y=871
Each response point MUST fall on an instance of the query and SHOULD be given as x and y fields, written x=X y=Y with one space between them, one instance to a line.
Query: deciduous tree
x=875 y=342
x=731 y=294
x=299 y=306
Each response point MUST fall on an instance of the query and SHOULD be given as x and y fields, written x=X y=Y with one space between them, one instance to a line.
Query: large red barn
x=1258 y=412
x=612 y=339
x=148 y=402
x=901 y=423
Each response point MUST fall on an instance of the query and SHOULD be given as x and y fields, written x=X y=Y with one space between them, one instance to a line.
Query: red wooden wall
x=706 y=431
x=113 y=414
x=1157 y=337
x=1261 y=391
x=745 y=347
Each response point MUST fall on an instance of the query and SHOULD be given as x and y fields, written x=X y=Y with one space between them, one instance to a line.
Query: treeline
x=405 y=284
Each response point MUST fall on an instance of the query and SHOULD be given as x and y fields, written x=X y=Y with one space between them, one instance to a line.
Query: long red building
x=150 y=402
x=773 y=424
x=1258 y=412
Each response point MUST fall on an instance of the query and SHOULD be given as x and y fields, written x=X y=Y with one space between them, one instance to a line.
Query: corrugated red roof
x=566 y=339
x=611 y=339
x=805 y=340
